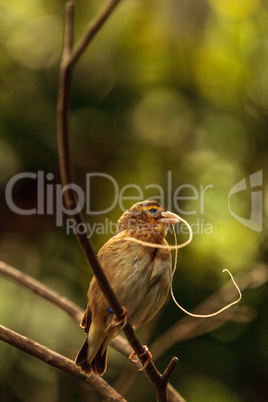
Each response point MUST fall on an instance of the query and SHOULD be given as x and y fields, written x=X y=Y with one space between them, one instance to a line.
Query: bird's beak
x=169 y=218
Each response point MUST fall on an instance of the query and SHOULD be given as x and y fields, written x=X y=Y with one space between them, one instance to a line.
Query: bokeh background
x=177 y=86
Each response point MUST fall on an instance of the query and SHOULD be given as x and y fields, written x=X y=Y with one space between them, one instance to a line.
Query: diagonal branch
x=66 y=305
x=93 y=29
x=185 y=328
x=60 y=362
x=41 y=290
x=69 y=57
x=67 y=176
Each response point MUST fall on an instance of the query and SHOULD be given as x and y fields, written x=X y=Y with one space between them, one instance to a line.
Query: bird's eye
x=153 y=210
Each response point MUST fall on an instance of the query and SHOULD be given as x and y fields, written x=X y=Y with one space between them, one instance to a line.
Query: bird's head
x=145 y=218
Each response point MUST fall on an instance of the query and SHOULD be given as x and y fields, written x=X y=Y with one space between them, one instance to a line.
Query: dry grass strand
x=176 y=247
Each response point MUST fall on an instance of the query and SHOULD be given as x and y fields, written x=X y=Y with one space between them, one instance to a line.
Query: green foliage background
x=175 y=86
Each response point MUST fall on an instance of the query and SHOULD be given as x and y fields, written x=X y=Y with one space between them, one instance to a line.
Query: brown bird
x=139 y=275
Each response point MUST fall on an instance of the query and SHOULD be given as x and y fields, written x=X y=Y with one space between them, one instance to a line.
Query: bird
x=139 y=275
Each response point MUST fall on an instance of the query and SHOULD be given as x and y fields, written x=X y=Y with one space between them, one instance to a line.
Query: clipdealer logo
x=50 y=200
x=254 y=222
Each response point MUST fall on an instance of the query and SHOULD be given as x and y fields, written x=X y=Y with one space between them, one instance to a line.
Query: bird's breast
x=140 y=277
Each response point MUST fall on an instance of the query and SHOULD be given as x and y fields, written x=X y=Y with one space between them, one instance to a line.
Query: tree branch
x=41 y=290
x=69 y=58
x=185 y=328
x=66 y=305
x=93 y=29
x=60 y=362
x=67 y=176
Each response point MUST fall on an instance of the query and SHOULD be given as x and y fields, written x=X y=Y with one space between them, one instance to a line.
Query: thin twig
x=166 y=376
x=170 y=368
x=66 y=170
x=68 y=33
x=69 y=58
x=56 y=360
x=93 y=29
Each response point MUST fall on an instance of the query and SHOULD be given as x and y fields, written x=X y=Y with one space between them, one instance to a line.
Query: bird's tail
x=92 y=360
x=97 y=365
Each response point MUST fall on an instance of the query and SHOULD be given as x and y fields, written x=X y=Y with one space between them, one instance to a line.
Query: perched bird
x=139 y=275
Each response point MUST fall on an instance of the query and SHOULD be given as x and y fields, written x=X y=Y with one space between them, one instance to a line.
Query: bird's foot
x=123 y=320
x=148 y=357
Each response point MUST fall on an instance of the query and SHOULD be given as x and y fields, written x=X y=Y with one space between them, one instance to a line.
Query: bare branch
x=42 y=290
x=93 y=29
x=170 y=368
x=66 y=305
x=69 y=58
x=186 y=328
x=56 y=360
x=69 y=30
x=66 y=170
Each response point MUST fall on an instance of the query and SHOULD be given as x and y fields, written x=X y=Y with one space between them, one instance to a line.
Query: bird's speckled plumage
x=139 y=275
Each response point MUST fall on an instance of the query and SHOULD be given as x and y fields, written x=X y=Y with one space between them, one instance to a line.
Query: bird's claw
x=146 y=352
x=123 y=320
